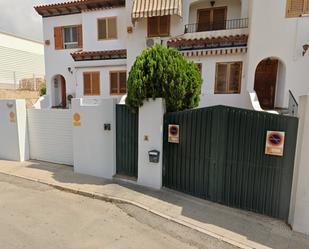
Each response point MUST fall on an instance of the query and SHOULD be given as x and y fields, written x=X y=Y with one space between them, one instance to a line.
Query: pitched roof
x=99 y=55
x=75 y=7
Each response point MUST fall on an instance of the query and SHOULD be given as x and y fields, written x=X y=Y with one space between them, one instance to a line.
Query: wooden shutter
x=102 y=31
x=122 y=82
x=164 y=25
x=79 y=36
x=306 y=7
x=204 y=20
x=113 y=83
x=87 y=84
x=235 y=72
x=118 y=82
x=58 y=37
x=112 y=28
x=294 y=8
x=219 y=16
x=221 y=78
x=95 y=83
x=153 y=24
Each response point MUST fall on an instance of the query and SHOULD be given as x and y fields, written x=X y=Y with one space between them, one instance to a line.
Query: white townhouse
x=251 y=53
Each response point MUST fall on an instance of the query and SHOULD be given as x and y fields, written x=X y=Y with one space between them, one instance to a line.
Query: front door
x=265 y=83
x=63 y=93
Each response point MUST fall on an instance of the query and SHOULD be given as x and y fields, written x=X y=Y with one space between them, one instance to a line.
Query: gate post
x=150 y=137
x=13 y=130
x=299 y=211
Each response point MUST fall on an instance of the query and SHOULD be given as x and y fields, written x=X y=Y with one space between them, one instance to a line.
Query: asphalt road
x=36 y=216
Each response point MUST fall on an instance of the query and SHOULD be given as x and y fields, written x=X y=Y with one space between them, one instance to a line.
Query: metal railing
x=219 y=25
x=293 y=105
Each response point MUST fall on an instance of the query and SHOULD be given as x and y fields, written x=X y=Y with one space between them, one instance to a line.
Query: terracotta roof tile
x=75 y=7
x=99 y=55
x=182 y=42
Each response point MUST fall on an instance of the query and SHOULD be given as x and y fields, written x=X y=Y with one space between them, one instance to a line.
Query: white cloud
x=19 y=17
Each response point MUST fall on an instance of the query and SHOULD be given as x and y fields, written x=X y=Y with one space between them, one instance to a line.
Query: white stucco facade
x=272 y=34
x=208 y=98
x=268 y=38
x=90 y=33
x=60 y=61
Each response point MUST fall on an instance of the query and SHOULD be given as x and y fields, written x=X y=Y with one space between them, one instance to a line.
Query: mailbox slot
x=154 y=156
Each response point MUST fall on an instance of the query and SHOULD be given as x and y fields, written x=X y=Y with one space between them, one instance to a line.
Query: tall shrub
x=161 y=72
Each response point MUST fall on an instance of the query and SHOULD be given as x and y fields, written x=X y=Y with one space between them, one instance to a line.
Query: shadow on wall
x=257 y=228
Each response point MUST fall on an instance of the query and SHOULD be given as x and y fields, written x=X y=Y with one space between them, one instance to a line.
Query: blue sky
x=19 y=17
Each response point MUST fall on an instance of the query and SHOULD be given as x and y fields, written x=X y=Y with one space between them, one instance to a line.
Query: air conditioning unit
x=152 y=41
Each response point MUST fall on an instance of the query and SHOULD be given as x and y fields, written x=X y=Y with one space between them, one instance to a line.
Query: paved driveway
x=33 y=216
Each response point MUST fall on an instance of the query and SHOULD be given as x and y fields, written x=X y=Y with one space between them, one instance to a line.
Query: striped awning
x=149 y=8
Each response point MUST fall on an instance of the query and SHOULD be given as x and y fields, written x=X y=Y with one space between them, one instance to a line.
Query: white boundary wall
x=299 y=211
x=13 y=130
x=95 y=147
x=50 y=135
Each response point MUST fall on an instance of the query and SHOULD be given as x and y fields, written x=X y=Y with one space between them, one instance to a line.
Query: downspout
x=295 y=56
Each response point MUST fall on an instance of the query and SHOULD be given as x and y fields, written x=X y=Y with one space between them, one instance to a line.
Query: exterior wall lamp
x=305 y=48
x=70 y=70
x=212 y=3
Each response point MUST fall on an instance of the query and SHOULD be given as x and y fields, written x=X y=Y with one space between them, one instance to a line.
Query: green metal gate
x=126 y=141
x=221 y=157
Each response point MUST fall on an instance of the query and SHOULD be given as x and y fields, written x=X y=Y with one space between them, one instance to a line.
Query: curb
x=117 y=200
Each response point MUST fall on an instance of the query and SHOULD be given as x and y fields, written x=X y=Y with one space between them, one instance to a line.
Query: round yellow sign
x=76 y=117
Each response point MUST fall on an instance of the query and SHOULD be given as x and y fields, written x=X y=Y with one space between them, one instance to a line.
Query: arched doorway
x=59 y=91
x=268 y=83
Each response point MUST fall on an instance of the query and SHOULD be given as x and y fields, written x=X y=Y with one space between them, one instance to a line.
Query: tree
x=161 y=72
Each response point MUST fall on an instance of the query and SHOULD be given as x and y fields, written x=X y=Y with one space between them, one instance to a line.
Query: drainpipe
x=295 y=56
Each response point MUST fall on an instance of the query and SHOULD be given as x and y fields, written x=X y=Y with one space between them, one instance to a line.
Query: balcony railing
x=293 y=105
x=219 y=25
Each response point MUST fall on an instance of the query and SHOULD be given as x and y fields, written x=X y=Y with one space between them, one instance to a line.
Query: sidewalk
x=240 y=228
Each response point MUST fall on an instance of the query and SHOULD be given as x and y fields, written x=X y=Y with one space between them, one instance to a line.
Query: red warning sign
x=173 y=133
x=275 y=143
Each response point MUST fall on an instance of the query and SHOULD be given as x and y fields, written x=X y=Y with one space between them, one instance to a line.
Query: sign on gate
x=173 y=133
x=275 y=143
x=76 y=120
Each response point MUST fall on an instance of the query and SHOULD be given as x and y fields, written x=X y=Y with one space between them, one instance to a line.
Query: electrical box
x=154 y=156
